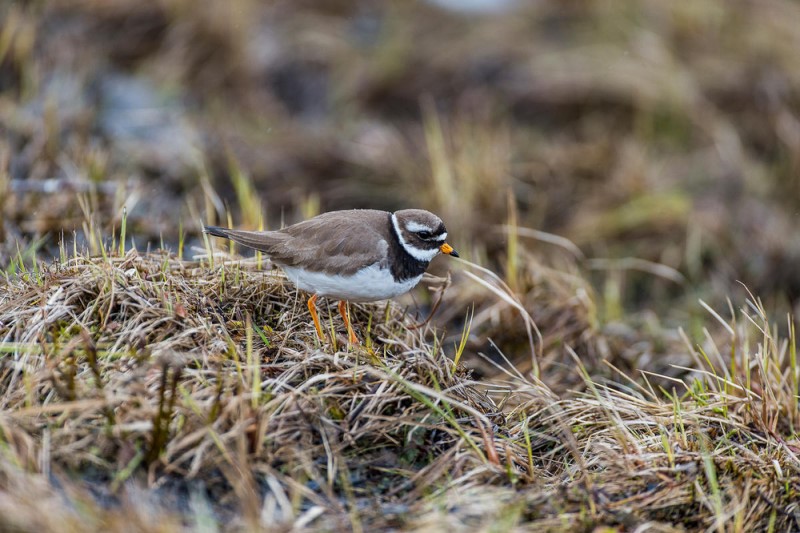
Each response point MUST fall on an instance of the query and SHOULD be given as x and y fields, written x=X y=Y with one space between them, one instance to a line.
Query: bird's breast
x=369 y=284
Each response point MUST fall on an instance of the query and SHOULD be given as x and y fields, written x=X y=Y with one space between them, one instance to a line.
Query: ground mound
x=145 y=392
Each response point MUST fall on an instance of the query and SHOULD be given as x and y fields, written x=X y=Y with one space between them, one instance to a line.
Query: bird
x=357 y=255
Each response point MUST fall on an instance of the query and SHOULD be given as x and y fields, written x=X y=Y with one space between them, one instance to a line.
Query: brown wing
x=338 y=242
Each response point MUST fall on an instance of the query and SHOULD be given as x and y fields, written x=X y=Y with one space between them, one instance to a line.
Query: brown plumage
x=360 y=255
x=324 y=243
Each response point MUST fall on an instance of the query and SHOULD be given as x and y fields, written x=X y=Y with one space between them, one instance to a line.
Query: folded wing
x=329 y=243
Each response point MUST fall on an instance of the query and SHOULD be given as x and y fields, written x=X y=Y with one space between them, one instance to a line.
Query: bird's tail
x=217 y=231
x=259 y=240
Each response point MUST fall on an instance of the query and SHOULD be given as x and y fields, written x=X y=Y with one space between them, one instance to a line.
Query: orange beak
x=449 y=250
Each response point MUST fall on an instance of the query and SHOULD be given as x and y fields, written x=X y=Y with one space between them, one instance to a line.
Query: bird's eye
x=424 y=235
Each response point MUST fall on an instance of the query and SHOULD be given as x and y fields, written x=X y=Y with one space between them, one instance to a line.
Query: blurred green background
x=661 y=138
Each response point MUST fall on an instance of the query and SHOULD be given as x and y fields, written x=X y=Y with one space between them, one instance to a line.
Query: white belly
x=367 y=285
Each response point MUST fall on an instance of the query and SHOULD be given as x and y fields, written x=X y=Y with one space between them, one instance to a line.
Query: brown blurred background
x=661 y=138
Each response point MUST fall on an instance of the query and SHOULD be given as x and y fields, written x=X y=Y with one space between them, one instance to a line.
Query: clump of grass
x=146 y=369
x=717 y=449
x=139 y=375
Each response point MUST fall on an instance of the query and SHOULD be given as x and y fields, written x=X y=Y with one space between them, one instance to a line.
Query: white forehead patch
x=441 y=238
x=415 y=227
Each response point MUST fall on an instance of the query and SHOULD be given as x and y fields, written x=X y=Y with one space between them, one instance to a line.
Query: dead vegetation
x=151 y=369
x=144 y=391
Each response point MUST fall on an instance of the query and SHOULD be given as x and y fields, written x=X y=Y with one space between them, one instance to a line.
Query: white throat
x=420 y=255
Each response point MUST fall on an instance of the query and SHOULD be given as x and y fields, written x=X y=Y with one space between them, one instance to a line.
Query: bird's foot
x=351 y=335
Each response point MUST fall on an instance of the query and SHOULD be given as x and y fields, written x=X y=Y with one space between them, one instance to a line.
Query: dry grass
x=148 y=368
x=144 y=390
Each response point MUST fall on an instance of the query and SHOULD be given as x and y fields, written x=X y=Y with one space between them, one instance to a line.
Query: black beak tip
x=454 y=253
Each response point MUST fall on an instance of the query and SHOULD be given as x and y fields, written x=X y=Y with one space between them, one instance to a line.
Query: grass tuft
x=144 y=371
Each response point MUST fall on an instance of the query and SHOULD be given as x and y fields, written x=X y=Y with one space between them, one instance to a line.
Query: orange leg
x=350 y=333
x=312 y=308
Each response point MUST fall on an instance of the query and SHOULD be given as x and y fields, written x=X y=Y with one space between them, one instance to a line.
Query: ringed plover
x=360 y=255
